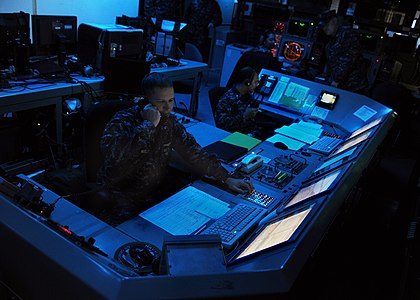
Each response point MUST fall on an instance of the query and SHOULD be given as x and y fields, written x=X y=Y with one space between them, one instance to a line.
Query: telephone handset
x=266 y=85
x=250 y=163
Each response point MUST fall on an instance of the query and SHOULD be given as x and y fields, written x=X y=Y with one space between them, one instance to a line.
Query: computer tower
x=99 y=42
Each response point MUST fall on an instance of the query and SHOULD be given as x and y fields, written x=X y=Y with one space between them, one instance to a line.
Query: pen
x=201 y=229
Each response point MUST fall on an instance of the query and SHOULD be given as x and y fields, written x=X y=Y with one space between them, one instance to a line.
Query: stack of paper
x=297 y=135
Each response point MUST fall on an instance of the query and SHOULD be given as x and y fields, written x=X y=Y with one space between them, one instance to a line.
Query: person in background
x=201 y=15
x=267 y=42
x=163 y=9
x=136 y=144
x=236 y=109
x=344 y=66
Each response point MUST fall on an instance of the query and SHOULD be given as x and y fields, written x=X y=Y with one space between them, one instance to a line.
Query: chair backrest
x=97 y=116
x=192 y=52
x=257 y=61
x=215 y=94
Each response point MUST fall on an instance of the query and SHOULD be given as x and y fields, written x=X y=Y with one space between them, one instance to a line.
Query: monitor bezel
x=315 y=205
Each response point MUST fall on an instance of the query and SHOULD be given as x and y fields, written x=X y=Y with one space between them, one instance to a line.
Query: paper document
x=290 y=143
x=186 y=211
x=365 y=113
x=297 y=134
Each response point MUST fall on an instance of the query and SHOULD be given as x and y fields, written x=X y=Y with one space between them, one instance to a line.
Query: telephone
x=250 y=163
x=266 y=85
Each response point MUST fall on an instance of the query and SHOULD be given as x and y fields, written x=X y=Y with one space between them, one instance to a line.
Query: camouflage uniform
x=344 y=60
x=200 y=13
x=163 y=10
x=137 y=155
x=230 y=112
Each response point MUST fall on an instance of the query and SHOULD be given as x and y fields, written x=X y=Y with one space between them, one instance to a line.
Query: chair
x=97 y=116
x=186 y=86
x=215 y=94
x=255 y=60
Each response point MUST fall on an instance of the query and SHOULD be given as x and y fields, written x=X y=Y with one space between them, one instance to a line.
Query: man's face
x=163 y=100
x=269 y=41
x=330 y=27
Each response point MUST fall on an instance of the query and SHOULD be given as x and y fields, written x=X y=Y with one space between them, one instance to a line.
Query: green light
x=302 y=24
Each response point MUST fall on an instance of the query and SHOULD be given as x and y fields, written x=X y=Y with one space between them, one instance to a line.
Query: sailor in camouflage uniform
x=163 y=9
x=200 y=15
x=136 y=145
x=235 y=110
x=344 y=67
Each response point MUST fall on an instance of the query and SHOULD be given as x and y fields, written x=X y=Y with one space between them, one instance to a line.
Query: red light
x=66 y=230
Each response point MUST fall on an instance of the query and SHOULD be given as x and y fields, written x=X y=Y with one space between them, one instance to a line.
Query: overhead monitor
x=54 y=35
x=277 y=232
x=298 y=28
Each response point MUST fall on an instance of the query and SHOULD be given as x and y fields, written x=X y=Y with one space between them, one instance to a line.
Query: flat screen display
x=354 y=141
x=298 y=28
x=320 y=185
x=276 y=232
x=365 y=127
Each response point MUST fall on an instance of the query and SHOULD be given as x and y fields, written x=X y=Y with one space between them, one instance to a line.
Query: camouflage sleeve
x=228 y=116
x=125 y=146
x=349 y=50
x=188 y=148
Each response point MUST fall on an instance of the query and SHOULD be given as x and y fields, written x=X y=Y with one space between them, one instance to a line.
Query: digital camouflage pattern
x=230 y=112
x=163 y=9
x=200 y=13
x=137 y=155
x=344 y=60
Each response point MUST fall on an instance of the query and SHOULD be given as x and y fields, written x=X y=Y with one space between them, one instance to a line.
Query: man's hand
x=239 y=185
x=151 y=114
x=250 y=112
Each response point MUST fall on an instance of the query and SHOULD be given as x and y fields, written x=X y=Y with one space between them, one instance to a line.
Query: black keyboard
x=235 y=223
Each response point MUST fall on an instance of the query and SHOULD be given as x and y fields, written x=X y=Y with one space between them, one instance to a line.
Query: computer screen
x=356 y=140
x=292 y=51
x=53 y=35
x=365 y=128
x=371 y=41
x=282 y=229
x=289 y=95
x=316 y=187
x=337 y=160
x=14 y=33
x=298 y=28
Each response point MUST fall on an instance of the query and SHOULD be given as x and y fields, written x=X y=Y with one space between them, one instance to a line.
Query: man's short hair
x=154 y=81
x=245 y=74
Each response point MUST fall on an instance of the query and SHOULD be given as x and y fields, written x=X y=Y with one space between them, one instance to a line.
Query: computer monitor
x=123 y=76
x=317 y=186
x=356 y=140
x=365 y=127
x=54 y=35
x=337 y=160
x=278 y=232
x=14 y=38
x=282 y=92
x=299 y=28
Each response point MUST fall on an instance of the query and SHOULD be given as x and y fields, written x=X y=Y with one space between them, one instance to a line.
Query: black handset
x=266 y=85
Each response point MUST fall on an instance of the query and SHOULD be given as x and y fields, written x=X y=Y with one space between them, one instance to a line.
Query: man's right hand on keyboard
x=239 y=185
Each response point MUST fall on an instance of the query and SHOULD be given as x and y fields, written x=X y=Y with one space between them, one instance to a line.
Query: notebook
x=225 y=151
